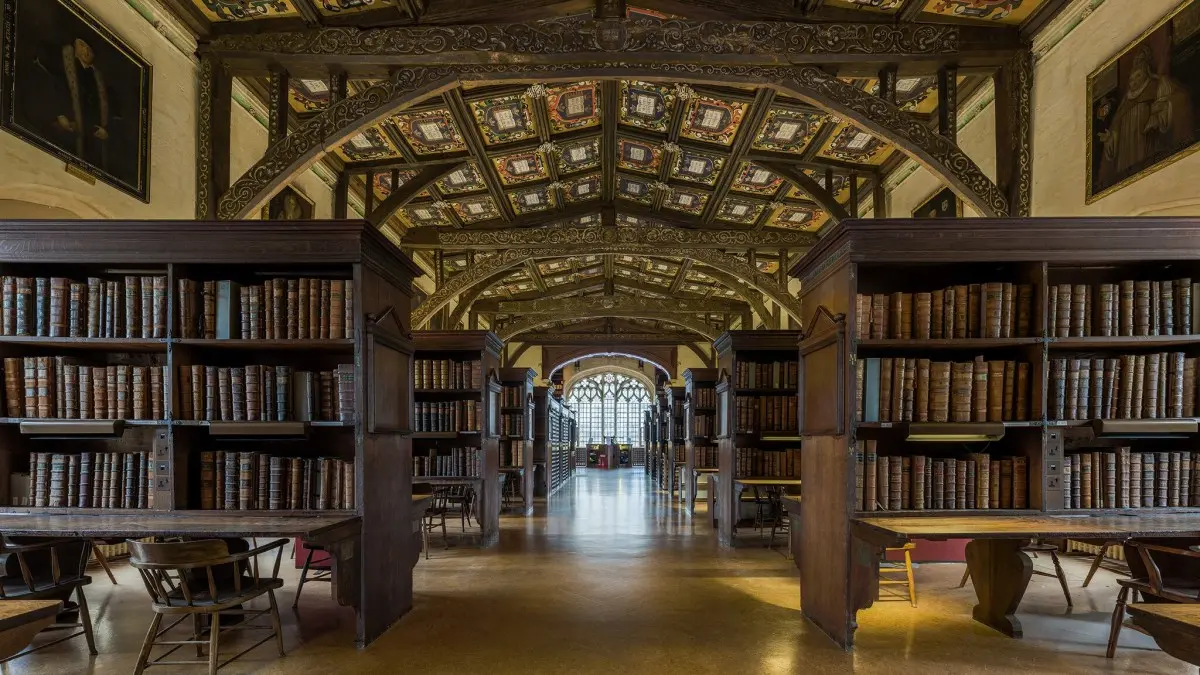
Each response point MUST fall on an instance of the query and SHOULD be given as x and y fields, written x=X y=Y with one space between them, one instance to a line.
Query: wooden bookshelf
x=554 y=434
x=1047 y=435
x=516 y=429
x=700 y=412
x=738 y=386
x=458 y=370
x=676 y=438
x=371 y=439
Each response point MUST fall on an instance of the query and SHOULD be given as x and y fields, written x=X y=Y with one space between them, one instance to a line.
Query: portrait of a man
x=1143 y=104
x=75 y=90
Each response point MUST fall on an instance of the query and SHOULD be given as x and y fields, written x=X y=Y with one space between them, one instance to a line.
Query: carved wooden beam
x=947 y=110
x=470 y=132
x=608 y=340
x=821 y=195
x=638 y=239
x=403 y=194
x=1014 y=133
x=601 y=305
x=212 y=135
x=737 y=151
x=535 y=274
x=681 y=275
x=568 y=311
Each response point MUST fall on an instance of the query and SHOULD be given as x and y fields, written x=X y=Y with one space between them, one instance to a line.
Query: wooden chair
x=199 y=578
x=780 y=522
x=1161 y=572
x=49 y=570
x=457 y=499
x=895 y=568
x=1035 y=547
x=325 y=575
x=1098 y=560
x=435 y=517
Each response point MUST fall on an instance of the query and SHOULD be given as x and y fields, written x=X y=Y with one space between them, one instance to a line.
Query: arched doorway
x=609 y=406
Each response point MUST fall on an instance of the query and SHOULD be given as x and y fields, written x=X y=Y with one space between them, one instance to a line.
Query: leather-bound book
x=1112 y=379
x=1141 y=307
x=937 y=486
x=1123 y=403
x=1152 y=395
x=95 y=307
x=880 y=312
x=859 y=468
x=896 y=483
x=29 y=378
x=231 y=478
x=961 y=376
x=58 y=481
x=296 y=484
x=870 y=478
x=185 y=293
x=337 y=309
x=345 y=394
x=1085 y=388
x=922 y=315
x=14 y=387
x=60 y=385
x=917 y=494
x=1125 y=308
x=993 y=309
x=267 y=315
x=247 y=480
x=86 y=408
x=1183 y=306
x=937 y=308
x=303 y=322
x=886 y=374
x=1078 y=310
x=326 y=312
x=348 y=486
x=41 y=304
x=326 y=396
x=208 y=295
x=86 y=477
x=995 y=391
x=1189 y=387
x=76 y=310
x=979 y=390
x=1086 y=480
x=1149 y=478
x=237 y=393
x=920 y=412
x=292 y=312
x=961 y=324
x=314 y=309
x=320 y=484
x=99 y=386
x=950 y=484
x=158 y=307
x=60 y=289
x=281 y=385
x=267 y=393
x=1155 y=307
x=276 y=484
x=960 y=484
x=131 y=312
x=252 y=375
x=908 y=389
x=157 y=397
x=45 y=387
x=145 y=313
x=860 y=370
x=193 y=390
x=279 y=317
x=1166 y=308
x=1162 y=478
x=1006 y=483
x=897 y=397
x=303 y=402
x=219 y=480
x=1175 y=372
x=25 y=322
x=244 y=312
x=1139 y=386
x=939 y=391
x=225 y=394
x=1057 y=408
x=130 y=480
x=1093 y=407
x=1062 y=322
x=140 y=376
x=1020 y=483
x=1023 y=322
x=1008 y=310
x=212 y=410
x=348 y=309
x=1088 y=310
x=1104 y=310
x=1008 y=410
x=974 y=310
x=1135 y=480
x=8 y=318
x=1052 y=312
x=1174 y=482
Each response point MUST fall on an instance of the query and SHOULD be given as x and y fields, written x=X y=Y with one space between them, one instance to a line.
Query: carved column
x=212 y=135
x=948 y=103
x=277 y=122
x=879 y=199
x=337 y=86
x=1014 y=133
x=887 y=83
x=341 y=196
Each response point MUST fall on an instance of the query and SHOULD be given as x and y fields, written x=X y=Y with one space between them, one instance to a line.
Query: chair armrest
x=236 y=557
x=1186 y=552
x=10 y=547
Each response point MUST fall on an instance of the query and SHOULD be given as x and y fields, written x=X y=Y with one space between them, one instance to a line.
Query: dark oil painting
x=1144 y=104
x=72 y=88
x=942 y=204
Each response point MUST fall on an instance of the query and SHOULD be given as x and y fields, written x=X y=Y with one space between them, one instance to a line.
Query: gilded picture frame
x=71 y=87
x=1143 y=104
x=293 y=205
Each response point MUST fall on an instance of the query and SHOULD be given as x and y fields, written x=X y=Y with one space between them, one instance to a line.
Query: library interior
x=594 y=336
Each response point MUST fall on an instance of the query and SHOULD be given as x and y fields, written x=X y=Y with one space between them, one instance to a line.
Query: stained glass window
x=609 y=405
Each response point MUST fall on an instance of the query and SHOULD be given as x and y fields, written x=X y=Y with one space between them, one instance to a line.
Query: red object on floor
x=602 y=461
x=320 y=560
x=952 y=550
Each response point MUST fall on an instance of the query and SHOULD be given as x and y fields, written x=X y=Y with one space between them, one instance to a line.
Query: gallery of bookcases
x=700 y=415
x=180 y=367
x=456 y=414
x=516 y=428
x=554 y=438
x=756 y=420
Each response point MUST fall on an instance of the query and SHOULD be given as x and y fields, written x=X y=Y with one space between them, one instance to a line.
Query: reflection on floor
x=612 y=577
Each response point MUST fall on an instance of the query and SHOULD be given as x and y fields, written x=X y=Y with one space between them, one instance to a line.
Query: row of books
x=751 y=374
x=513 y=453
x=97 y=480
x=920 y=390
x=704 y=397
x=706 y=457
x=512 y=397
x=63 y=387
x=265 y=393
x=447 y=416
x=131 y=307
x=1109 y=479
x=758 y=414
x=452 y=462
x=1126 y=309
x=1131 y=386
x=756 y=462
x=511 y=424
x=256 y=480
x=447 y=374
x=918 y=482
x=277 y=309
x=704 y=425
x=988 y=310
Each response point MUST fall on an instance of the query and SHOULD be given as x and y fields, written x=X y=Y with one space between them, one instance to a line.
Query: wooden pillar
x=948 y=103
x=879 y=199
x=369 y=194
x=887 y=83
x=1014 y=133
x=337 y=86
x=278 y=108
x=212 y=136
x=852 y=207
x=341 y=196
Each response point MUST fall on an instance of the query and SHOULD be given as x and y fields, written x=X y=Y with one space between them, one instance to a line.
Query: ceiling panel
x=646 y=105
x=503 y=119
x=712 y=120
x=369 y=145
x=639 y=155
x=851 y=144
x=686 y=200
x=475 y=209
x=634 y=189
x=341 y=7
x=532 y=200
x=1011 y=12
x=754 y=179
x=246 y=10
x=415 y=215
x=738 y=210
x=697 y=167
x=582 y=189
x=579 y=155
x=430 y=131
x=463 y=180
x=521 y=167
x=572 y=107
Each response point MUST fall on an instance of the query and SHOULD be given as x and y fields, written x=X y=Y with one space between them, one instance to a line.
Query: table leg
x=735 y=511
x=1000 y=572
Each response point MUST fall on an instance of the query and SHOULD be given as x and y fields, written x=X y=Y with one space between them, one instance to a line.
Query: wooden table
x=1176 y=628
x=488 y=536
x=421 y=504
x=22 y=620
x=741 y=484
x=1000 y=570
x=691 y=488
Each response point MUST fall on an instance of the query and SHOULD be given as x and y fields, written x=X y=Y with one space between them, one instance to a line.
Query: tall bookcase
x=456 y=392
x=1039 y=314
x=757 y=402
x=553 y=442
x=194 y=323
x=676 y=445
x=700 y=412
x=516 y=427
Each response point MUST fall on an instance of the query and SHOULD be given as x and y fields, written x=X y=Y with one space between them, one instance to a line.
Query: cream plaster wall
x=30 y=175
x=1060 y=129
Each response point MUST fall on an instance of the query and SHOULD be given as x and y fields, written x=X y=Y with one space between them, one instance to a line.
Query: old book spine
x=1125 y=308
x=950 y=484
x=1062 y=321
x=880 y=312
x=145 y=307
x=1008 y=310
x=1151 y=398
x=937 y=306
x=1175 y=373
x=197 y=390
x=1094 y=406
x=326 y=395
x=345 y=394
x=158 y=307
x=1183 y=306
x=937 y=486
x=895 y=483
x=45 y=387
x=14 y=387
x=255 y=314
x=920 y=411
x=131 y=299
x=337 y=309
x=1189 y=387
x=1052 y=312
x=59 y=291
x=314 y=309
x=922 y=315
x=253 y=378
x=141 y=404
x=961 y=376
x=303 y=320
x=939 y=391
x=293 y=309
x=237 y=394
x=979 y=391
x=129 y=480
x=917 y=493
x=1166 y=308
x=1024 y=311
x=76 y=310
x=974 y=310
x=282 y=383
x=211 y=387
x=1139 y=384
x=209 y=307
x=1009 y=407
x=1006 y=483
x=295 y=469
x=1141 y=307
x=860 y=368
x=1078 y=310
x=886 y=373
x=995 y=391
x=278 y=309
x=348 y=309
x=897 y=397
x=960 y=323
x=1085 y=387
x=25 y=322
x=123 y=398
x=1162 y=479
x=232 y=478
x=41 y=303
x=276 y=489
x=224 y=394
x=247 y=481
x=244 y=312
x=8 y=319
x=993 y=309
x=1155 y=307
x=158 y=399
x=326 y=311
x=1104 y=310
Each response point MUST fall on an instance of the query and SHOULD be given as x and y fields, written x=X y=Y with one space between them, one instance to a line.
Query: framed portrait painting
x=941 y=204
x=71 y=87
x=289 y=204
x=1144 y=104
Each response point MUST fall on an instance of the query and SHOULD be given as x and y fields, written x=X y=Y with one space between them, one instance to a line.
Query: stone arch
x=509 y=258
x=302 y=148
x=563 y=357
x=512 y=329
x=48 y=202
x=609 y=368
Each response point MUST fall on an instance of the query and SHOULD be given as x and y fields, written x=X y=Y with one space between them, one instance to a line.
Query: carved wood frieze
x=410 y=85
x=533 y=237
x=604 y=305
x=512 y=329
x=759 y=42
x=509 y=258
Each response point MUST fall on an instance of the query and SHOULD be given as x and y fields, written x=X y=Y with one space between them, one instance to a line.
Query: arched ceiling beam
x=507 y=259
x=340 y=121
x=601 y=305
x=571 y=236
x=821 y=195
x=745 y=292
x=512 y=329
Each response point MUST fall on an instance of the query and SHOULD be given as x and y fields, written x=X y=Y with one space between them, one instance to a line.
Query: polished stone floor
x=612 y=577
